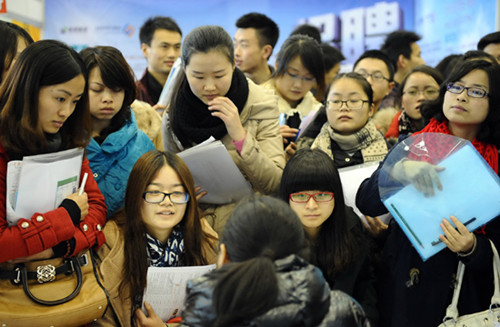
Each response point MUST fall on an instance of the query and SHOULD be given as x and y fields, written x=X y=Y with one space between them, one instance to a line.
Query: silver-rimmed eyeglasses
x=351 y=104
x=302 y=78
x=430 y=93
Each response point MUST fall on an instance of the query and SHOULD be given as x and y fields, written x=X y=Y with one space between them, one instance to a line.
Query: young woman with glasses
x=299 y=68
x=311 y=185
x=160 y=225
x=417 y=293
x=421 y=84
x=350 y=137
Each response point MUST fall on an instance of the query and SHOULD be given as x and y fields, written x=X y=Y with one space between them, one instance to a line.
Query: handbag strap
x=79 y=278
x=495 y=299
x=452 y=310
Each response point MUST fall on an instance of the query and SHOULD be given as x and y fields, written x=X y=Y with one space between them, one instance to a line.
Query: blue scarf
x=169 y=255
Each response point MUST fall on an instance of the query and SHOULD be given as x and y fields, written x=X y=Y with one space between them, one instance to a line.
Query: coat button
x=99 y=228
x=347 y=159
x=25 y=225
x=85 y=227
x=95 y=175
x=39 y=219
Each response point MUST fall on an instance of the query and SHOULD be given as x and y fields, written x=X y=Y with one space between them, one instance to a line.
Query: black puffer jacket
x=304 y=300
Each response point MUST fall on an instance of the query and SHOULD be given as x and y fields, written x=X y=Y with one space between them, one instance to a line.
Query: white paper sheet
x=215 y=171
x=40 y=183
x=351 y=178
x=166 y=288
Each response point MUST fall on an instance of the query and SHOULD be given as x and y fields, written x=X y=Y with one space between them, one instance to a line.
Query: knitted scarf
x=193 y=123
x=169 y=255
x=488 y=151
x=368 y=140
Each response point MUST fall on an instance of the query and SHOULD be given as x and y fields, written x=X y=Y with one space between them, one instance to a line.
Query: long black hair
x=259 y=231
x=43 y=63
x=336 y=247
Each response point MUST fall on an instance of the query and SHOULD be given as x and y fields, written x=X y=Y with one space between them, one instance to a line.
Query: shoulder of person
x=262 y=103
x=383 y=118
x=344 y=311
x=146 y=117
x=113 y=233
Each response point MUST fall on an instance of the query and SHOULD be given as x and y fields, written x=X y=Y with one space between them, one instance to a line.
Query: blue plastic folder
x=471 y=192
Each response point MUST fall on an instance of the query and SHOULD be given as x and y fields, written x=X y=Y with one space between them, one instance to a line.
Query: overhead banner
x=353 y=26
x=452 y=26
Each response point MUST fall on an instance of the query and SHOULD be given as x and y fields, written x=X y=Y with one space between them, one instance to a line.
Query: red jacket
x=45 y=230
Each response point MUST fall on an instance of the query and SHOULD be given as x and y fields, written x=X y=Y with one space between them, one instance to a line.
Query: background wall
x=116 y=22
x=447 y=26
x=27 y=13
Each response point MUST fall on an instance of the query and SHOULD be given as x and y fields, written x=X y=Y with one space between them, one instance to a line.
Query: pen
x=407 y=226
x=296 y=136
x=82 y=186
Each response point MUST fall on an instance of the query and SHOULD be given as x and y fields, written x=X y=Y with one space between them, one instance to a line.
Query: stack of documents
x=40 y=183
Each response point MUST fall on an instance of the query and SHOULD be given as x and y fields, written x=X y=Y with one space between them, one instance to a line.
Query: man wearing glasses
x=378 y=70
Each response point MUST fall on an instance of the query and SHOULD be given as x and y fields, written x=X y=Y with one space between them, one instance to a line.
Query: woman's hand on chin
x=224 y=108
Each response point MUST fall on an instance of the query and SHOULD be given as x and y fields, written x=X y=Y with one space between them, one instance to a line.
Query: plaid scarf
x=368 y=140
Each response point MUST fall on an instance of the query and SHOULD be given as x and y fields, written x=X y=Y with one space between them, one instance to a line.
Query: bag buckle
x=84 y=260
x=45 y=273
x=17 y=280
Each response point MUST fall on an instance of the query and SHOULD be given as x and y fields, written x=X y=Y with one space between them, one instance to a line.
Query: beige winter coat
x=261 y=160
x=111 y=258
x=148 y=121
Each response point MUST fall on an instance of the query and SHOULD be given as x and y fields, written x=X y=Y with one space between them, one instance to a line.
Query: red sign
x=3 y=6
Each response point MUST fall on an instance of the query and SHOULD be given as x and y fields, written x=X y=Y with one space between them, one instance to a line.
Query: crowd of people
x=293 y=254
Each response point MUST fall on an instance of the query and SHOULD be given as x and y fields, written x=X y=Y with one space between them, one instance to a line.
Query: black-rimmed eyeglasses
x=473 y=92
x=158 y=197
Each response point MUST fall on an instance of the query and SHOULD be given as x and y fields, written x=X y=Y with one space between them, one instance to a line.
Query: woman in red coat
x=44 y=109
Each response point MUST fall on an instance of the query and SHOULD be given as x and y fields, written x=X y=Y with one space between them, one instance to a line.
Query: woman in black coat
x=416 y=293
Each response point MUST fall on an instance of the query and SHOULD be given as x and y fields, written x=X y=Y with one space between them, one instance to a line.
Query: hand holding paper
x=150 y=320
x=457 y=239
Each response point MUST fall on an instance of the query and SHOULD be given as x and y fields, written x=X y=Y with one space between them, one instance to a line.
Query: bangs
x=309 y=170
x=113 y=77
x=310 y=179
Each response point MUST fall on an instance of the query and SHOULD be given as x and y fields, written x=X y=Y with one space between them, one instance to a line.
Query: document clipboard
x=471 y=192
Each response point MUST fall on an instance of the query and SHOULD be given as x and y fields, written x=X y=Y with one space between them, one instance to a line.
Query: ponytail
x=245 y=290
